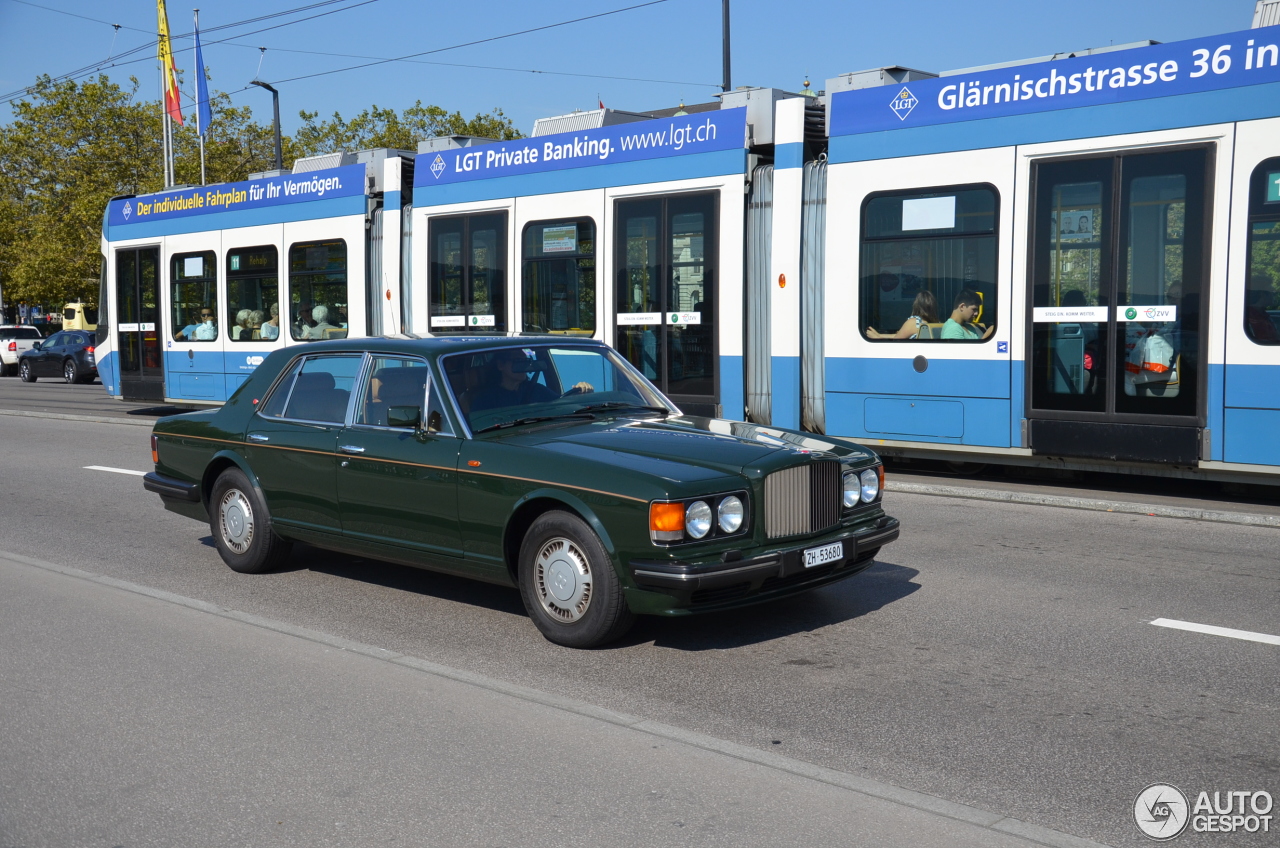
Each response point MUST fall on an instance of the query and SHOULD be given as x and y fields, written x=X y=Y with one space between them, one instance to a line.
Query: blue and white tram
x=200 y=284
x=1071 y=262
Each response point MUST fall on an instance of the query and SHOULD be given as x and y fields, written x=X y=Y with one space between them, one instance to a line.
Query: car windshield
x=539 y=382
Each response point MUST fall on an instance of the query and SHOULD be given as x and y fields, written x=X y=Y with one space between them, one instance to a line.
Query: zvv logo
x=1160 y=811
x=903 y=104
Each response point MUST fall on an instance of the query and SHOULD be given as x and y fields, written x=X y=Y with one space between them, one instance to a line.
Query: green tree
x=379 y=127
x=70 y=148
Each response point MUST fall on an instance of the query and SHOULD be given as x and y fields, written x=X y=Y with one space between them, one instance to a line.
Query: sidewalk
x=138 y=717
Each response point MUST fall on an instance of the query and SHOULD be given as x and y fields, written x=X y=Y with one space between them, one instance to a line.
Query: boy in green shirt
x=960 y=324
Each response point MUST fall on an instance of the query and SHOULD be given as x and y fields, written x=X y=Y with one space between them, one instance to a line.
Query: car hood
x=686 y=448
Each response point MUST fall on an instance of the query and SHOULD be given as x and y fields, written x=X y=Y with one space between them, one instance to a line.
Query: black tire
x=25 y=372
x=568 y=583
x=70 y=372
x=4 y=369
x=241 y=528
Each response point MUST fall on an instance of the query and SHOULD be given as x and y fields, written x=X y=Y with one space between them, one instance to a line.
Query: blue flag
x=204 y=115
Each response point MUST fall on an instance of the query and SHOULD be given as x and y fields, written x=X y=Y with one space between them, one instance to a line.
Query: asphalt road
x=999 y=656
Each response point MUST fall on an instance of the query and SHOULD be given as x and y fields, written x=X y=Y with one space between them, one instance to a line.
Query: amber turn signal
x=666 y=522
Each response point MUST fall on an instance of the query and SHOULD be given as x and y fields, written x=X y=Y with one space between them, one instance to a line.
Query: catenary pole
x=724 y=48
x=275 y=106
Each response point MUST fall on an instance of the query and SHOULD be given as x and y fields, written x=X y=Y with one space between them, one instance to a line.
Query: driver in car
x=514 y=388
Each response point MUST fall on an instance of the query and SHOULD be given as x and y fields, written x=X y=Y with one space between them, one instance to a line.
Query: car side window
x=316 y=390
x=392 y=381
x=53 y=341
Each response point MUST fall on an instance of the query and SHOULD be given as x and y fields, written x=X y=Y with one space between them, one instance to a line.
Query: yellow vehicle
x=79 y=316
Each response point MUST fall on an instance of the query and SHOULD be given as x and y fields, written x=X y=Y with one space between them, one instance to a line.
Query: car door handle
x=258 y=437
x=350 y=448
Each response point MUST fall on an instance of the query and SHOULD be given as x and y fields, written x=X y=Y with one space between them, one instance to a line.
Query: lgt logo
x=903 y=104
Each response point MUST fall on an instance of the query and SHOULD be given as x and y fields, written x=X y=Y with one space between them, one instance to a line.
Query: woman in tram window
x=271 y=329
x=924 y=310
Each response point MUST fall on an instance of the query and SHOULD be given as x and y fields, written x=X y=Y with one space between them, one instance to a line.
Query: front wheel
x=70 y=373
x=241 y=528
x=568 y=584
x=25 y=372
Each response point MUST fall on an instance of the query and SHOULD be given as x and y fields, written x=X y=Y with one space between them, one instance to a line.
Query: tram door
x=137 y=317
x=1117 y=362
x=665 y=253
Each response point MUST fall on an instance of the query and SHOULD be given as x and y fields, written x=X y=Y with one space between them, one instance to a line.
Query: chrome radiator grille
x=804 y=499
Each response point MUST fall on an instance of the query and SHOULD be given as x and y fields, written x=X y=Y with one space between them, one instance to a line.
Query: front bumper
x=731 y=583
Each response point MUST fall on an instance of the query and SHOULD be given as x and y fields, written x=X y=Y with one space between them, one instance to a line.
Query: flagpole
x=201 y=129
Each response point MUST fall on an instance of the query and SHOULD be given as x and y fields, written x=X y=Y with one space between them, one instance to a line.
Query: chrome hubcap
x=69 y=373
x=235 y=519
x=562 y=579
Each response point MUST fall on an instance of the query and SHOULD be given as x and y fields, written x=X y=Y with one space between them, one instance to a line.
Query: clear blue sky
x=774 y=44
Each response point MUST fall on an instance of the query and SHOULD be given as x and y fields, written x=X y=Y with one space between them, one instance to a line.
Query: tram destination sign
x=1218 y=62
x=347 y=181
x=701 y=132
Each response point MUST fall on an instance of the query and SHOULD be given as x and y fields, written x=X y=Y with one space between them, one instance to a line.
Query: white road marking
x=1248 y=635
x=115 y=470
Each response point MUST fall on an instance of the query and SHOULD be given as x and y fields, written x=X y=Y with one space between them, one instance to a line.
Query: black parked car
x=68 y=354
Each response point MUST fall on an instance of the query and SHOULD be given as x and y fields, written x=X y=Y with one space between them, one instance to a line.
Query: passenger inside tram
x=924 y=311
x=964 y=312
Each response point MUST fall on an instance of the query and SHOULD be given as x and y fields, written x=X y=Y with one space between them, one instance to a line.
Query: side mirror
x=403 y=416
x=35 y=345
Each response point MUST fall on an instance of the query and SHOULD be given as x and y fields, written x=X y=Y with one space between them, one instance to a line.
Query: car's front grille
x=804 y=499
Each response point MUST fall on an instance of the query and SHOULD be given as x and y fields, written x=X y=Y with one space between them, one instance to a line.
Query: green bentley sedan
x=545 y=463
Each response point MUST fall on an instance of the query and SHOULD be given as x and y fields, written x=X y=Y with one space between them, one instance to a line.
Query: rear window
x=9 y=333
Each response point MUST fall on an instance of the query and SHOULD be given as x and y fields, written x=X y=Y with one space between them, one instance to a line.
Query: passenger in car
x=960 y=325
x=924 y=310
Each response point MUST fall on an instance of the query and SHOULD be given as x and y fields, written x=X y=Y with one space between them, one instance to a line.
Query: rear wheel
x=4 y=369
x=568 y=584
x=25 y=372
x=241 y=528
x=70 y=373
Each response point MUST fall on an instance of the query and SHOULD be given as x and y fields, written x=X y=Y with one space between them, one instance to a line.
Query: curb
x=1127 y=507
x=94 y=419
x=850 y=782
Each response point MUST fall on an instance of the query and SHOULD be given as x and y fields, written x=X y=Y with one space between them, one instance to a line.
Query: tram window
x=194 y=277
x=558 y=279
x=318 y=290
x=468 y=273
x=253 y=293
x=1262 y=295
x=926 y=256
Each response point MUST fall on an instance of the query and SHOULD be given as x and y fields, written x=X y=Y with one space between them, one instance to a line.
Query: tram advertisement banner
x=701 y=132
x=347 y=181
x=1218 y=62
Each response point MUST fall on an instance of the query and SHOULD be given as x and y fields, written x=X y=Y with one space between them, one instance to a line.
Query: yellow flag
x=172 y=102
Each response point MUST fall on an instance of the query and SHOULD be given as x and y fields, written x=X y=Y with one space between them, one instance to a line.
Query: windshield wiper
x=502 y=425
x=622 y=404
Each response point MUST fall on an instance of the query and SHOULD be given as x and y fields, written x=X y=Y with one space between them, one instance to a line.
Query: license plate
x=824 y=554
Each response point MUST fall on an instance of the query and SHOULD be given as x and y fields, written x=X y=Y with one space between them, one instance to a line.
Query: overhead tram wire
x=479 y=67
x=114 y=60
x=472 y=43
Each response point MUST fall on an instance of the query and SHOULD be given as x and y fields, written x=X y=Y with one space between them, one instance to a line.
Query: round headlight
x=852 y=487
x=697 y=519
x=870 y=485
x=730 y=513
